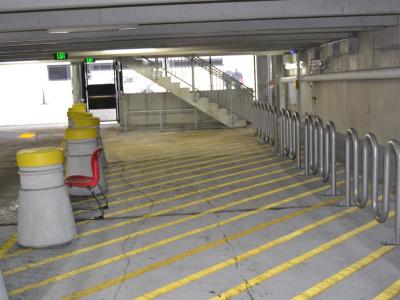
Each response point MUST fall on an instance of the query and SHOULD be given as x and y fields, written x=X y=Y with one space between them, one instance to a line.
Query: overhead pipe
x=386 y=73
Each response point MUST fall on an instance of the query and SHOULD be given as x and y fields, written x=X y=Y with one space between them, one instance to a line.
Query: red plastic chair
x=90 y=182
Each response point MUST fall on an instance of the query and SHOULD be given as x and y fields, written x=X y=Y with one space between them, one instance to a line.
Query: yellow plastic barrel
x=40 y=157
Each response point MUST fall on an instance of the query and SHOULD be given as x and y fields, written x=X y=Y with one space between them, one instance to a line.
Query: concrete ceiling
x=192 y=27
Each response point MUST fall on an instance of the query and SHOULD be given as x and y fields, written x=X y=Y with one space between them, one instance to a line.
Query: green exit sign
x=89 y=60
x=61 y=56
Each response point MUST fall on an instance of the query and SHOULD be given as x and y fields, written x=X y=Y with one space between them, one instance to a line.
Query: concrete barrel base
x=45 y=215
x=45 y=218
x=79 y=156
x=3 y=291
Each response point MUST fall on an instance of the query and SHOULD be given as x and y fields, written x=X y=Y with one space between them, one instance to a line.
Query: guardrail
x=161 y=113
x=380 y=212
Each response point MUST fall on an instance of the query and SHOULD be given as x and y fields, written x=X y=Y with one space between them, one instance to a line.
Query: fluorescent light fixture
x=92 y=29
x=130 y=51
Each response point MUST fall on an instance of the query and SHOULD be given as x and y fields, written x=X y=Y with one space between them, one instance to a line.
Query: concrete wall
x=156 y=101
x=366 y=105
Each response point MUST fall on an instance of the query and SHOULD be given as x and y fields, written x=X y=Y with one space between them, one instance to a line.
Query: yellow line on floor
x=156 y=202
x=202 y=248
x=22 y=251
x=218 y=267
x=240 y=288
x=205 y=153
x=8 y=244
x=177 y=187
x=169 y=181
x=237 y=150
x=343 y=274
x=173 y=166
x=189 y=168
x=184 y=150
x=391 y=292
x=166 y=241
x=204 y=200
x=151 y=229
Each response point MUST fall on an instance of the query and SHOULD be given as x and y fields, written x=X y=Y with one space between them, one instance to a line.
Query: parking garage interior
x=199 y=149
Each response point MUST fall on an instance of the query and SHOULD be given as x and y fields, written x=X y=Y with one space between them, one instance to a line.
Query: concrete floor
x=198 y=215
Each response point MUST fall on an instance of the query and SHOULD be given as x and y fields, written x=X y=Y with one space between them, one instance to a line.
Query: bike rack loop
x=295 y=139
x=381 y=215
x=283 y=131
x=370 y=142
x=307 y=144
x=329 y=170
x=288 y=132
x=317 y=147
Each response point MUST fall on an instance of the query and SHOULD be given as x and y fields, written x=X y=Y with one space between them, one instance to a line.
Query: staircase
x=195 y=99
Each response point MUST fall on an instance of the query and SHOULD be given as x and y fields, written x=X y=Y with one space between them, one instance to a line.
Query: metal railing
x=380 y=212
x=219 y=87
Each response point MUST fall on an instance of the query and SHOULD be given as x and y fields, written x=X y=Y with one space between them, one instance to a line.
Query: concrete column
x=77 y=92
x=262 y=77
x=276 y=66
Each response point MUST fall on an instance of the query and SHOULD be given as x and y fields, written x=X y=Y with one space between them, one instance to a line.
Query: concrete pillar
x=44 y=214
x=262 y=77
x=3 y=291
x=277 y=70
x=77 y=91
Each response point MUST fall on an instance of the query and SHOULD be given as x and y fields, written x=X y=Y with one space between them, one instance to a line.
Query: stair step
x=204 y=101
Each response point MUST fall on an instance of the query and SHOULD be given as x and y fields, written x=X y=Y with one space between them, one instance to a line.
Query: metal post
x=165 y=67
x=195 y=119
x=193 y=80
x=298 y=82
x=161 y=120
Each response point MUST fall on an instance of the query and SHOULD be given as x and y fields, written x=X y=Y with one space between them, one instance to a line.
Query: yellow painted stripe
x=197 y=191
x=343 y=274
x=161 y=168
x=218 y=267
x=204 y=200
x=22 y=251
x=27 y=135
x=202 y=248
x=206 y=153
x=240 y=288
x=140 y=188
x=8 y=244
x=189 y=169
x=391 y=292
x=152 y=229
x=177 y=150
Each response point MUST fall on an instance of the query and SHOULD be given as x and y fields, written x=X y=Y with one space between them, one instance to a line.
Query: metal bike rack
x=272 y=125
x=317 y=148
x=370 y=144
x=282 y=133
x=381 y=215
x=308 y=132
x=294 y=138
x=328 y=167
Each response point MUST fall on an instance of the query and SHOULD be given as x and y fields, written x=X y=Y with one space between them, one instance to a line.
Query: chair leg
x=98 y=203
x=104 y=197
